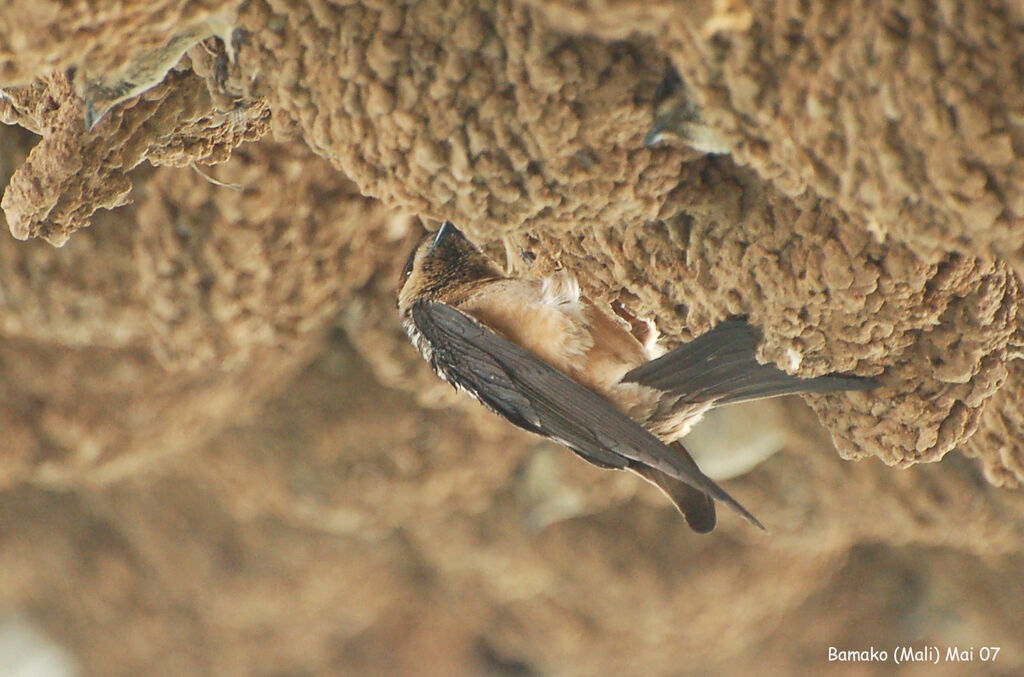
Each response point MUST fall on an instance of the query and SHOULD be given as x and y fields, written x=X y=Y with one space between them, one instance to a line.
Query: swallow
x=679 y=116
x=102 y=92
x=550 y=361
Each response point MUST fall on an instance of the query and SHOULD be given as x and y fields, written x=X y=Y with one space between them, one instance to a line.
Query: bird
x=679 y=117
x=551 y=361
x=101 y=92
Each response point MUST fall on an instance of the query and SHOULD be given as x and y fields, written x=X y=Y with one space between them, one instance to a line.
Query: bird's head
x=443 y=267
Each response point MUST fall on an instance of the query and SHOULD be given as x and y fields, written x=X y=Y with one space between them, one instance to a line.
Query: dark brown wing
x=697 y=507
x=530 y=393
x=721 y=366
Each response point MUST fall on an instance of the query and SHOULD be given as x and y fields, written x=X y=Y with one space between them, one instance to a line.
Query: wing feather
x=530 y=393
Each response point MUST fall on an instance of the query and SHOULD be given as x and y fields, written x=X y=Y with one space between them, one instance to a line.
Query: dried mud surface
x=221 y=456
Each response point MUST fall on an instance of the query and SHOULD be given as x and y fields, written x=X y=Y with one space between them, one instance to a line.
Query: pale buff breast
x=518 y=310
x=568 y=332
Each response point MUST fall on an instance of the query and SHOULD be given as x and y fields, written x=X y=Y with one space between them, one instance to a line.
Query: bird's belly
x=676 y=423
x=665 y=419
x=577 y=339
x=551 y=335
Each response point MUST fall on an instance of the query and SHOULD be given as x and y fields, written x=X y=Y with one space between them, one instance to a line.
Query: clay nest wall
x=221 y=456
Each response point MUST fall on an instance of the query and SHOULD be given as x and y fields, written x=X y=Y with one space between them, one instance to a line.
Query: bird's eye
x=407 y=271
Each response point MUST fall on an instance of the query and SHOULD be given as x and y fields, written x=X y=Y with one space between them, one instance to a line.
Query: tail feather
x=696 y=506
x=721 y=366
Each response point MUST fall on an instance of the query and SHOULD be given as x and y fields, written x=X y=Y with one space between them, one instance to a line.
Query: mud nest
x=221 y=303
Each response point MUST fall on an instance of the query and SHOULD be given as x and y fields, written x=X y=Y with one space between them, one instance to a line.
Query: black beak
x=656 y=133
x=447 y=232
x=92 y=116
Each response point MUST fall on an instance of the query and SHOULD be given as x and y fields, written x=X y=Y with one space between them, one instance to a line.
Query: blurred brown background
x=219 y=454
